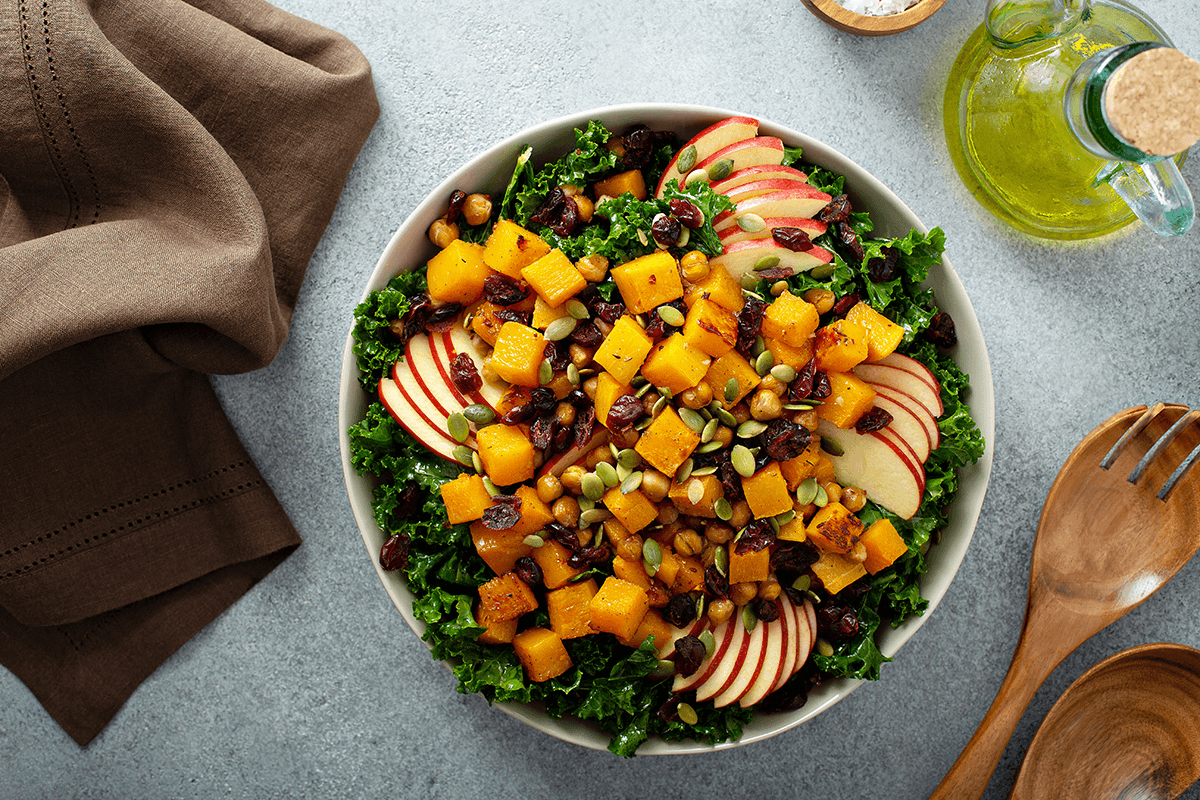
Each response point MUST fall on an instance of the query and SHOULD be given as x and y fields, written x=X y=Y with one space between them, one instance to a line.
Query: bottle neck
x=1084 y=104
x=1012 y=23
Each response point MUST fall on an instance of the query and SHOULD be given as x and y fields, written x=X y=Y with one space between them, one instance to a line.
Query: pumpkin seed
x=724 y=509
x=573 y=374
x=664 y=669
x=709 y=447
x=463 y=455
x=700 y=613
x=783 y=373
x=594 y=515
x=492 y=489
x=749 y=619
x=695 y=491
x=748 y=281
x=785 y=517
x=651 y=556
x=821 y=272
x=799 y=407
x=685 y=236
x=685 y=471
x=831 y=447
x=692 y=419
x=643 y=238
x=806 y=492
x=824 y=648
x=659 y=405
x=766 y=262
x=709 y=430
x=750 y=428
x=726 y=418
x=641 y=390
x=665 y=391
x=534 y=540
x=629 y=458
x=561 y=328
x=623 y=472
x=774 y=523
x=802 y=583
x=743 y=460
x=695 y=176
x=458 y=426
x=687 y=714
x=631 y=482
x=720 y=170
x=751 y=223
x=608 y=474
x=593 y=486
x=479 y=414
x=708 y=639
x=671 y=315
x=687 y=159
x=545 y=372
x=822 y=498
x=760 y=345
x=585 y=503
x=700 y=472
x=732 y=389
x=643 y=423
x=477 y=462
x=764 y=362
x=720 y=559
x=576 y=309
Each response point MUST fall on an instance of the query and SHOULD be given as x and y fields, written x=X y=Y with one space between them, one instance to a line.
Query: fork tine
x=1179 y=472
x=1127 y=437
x=1161 y=444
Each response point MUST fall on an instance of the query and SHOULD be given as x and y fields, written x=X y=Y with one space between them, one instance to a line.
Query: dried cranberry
x=766 y=610
x=749 y=323
x=457 y=198
x=941 y=330
x=666 y=230
x=559 y=354
x=758 y=535
x=609 y=312
x=394 y=553
x=873 y=420
x=656 y=328
x=731 y=482
x=624 y=411
x=577 y=398
x=793 y=239
x=565 y=536
x=715 y=583
x=784 y=440
x=802 y=385
x=541 y=432
x=561 y=440
x=410 y=501
x=836 y=210
x=588 y=557
x=510 y=314
x=528 y=571
x=837 y=623
x=413 y=321
x=518 y=414
x=687 y=212
x=846 y=235
x=822 y=388
x=669 y=710
x=586 y=334
x=501 y=290
x=689 y=655
x=585 y=423
x=503 y=513
x=793 y=556
x=464 y=374
x=443 y=317
x=775 y=274
x=543 y=399
x=844 y=304
x=882 y=269
x=550 y=208
x=681 y=610
x=789 y=697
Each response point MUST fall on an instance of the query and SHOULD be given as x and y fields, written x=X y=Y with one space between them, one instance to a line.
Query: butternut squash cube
x=849 y=398
x=541 y=653
x=544 y=313
x=654 y=625
x=570 y=614
x=823 y=471
x=731 y=365
x=632 y=571
x=506 y=453
x=884 y=545
x=634 y=510
x=883 y=336
x=803 y=466
x=465 y=498
x=624 y=349
x=485 y=322
x=793 y=530
x=705 y=506
x=499 y=549
x=618 y=608
x=668 y=569
x=510 y=248
x=535 y=514
x=834 y=529
x=667 y=442
x=752 y=566
x=794 y=357
x=554 y=278
x=837 y=571
x=690 y=575
x=518 y=354
x=675 y=364
x=790 y=319
x=552 y=558
x=710 y=328
x=457 y=273
x=841 y=345
x=648 y=281
x=499 y=631
x=767 y=492
x=608 y=389
x=718 y=286
x=505 y=597
x=631 y=181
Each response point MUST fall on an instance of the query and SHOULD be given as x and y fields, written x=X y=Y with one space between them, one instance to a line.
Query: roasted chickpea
x=589 y=387
x=853 y=498
x=720 y=610
x=580 y=356
x=585 y=206
x=743 y=593
x=487 y=371
x=724 y=435
x=687 y=542
x=718 y=532
x=630 y=548
x=658 y=595
x=697 y=397
x=765 y=405
x=667 y=513
x=773 y=385
x=442 y=233
x=597 y=455
x=741 y=515
x=805 y=511
x=566 y=511
x=565 y=414
x=694 y=266
x=655 y=485
x=593 y=268
x=769 y=589
x=572 y=478
x=549 y=488
x=833 y=491
x=624 y=439
x=649 y=399
x=740 y=412
x=477 y=208
x=858 y=552
x=823 y=299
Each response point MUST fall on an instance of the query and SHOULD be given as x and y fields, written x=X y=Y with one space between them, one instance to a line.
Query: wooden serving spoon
x=1127 y=728
x=1105 y=542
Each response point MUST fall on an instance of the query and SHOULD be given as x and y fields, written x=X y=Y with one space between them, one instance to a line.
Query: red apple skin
x=903 y=381
x=724 y=637
x=418 y=405
x=420 y=367
x=745 y=673
x=740 y=258
x=401 y=410
x=728 y=664
x=810 y=614
x=559 y=463
x=914 y=407
x=906 y=425
x=458 y=340
x=750 y=689
x=709 y=141
x=747 y=153
x=764 y=186
x=910 y=364
x=812 y=227
x=800 y=201
x=881 y=467
x=761 y=172
x=695 y=629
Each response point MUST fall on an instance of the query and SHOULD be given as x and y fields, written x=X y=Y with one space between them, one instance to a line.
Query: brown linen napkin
x=167 y=169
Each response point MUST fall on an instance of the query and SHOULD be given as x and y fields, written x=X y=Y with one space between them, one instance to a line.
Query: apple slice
x=810 y=615
x=758 y=173
x=801 y=645
x=912 y=365
x=801 y=200
x=695 y=629
x=812 y=227
x=742 y=257
x=761 y=638
x=920 y=412
x=753 y=152
x=777 y=660
x=708 y=141
x=762 y=186
x=881 y=466
x=728 y=663
x=906 y=425
x=558 y=464
x=419 y=368
x=902 y=381
x=400 y=406
x=724 y=638
x=458 y=340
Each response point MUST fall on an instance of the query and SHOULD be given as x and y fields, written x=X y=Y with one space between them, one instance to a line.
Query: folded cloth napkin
x=168 y=168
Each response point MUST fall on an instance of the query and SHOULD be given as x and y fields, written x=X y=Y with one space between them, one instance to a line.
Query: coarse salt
x=877 y=8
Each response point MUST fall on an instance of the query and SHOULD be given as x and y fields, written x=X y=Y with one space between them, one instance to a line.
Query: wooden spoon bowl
x=831 y=13
x=1128 y=727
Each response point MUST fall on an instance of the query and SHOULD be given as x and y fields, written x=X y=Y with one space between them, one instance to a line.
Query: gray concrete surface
x=312 y=685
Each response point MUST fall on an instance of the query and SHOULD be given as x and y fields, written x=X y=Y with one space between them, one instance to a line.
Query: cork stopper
x=1153 y=101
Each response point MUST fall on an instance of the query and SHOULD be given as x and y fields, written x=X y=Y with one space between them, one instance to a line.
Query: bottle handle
x=1155 y=191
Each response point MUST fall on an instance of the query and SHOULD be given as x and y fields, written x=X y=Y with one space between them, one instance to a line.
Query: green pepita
x=651 y=555
x=573 y=374
x=774 y=523
x=799 y=407
x=748 y=281
x=664 y=669
x=629 y=458
x=476 y=462
x=732 y=389
x=642 y=390
x=623 y=472
x=764 y=362
x=585 y=503
x=692 y=419
x=709 y=640
x=743 y=460
x=458 y=426
x=592 y=516
x=751 y=428
x=783 y=373
x=561 y=328
x=785 y=517
x=631 y=482
x=824 y=648
x=822 y=498
x=671 y=315
x=724 y=509
x=534 y=540
x=608 y=474
x=659 y=405
x=492 y=489
x=685 y=471
x=720 y=170
x=479 y=414
x=749 y=619
x=695 y=491
x=751 y=223
x=709 y=447
x=709 y=430
x=802 y=583
x=545 y=372
x=576 y=309
x=766 y=262
x=831 y=447
x=463 y=455
x=720 y=559
x=687 y=159
x=821 y=272
x=700 y=472
x=760 y=346
x=726 y=418
x=593 y=486
x=696 y=175
x=687 y=714
x=806 y=492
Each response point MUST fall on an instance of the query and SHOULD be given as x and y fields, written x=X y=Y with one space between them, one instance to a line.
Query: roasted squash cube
x=631 y=181
x=648 y=281
x=465 y=498
x=499 y=549
x=518 y=354
x=505 y=597
x=667 y=442
x=541 y=653
x=457 y=273
x=675 y=364
x=632 y=571
x=793 y=530
x=534 y=513
x=767 y=492
x=884 y=545
x=790 y=319
x=544 y=313
x=841 y=345
x=633 y=510
x=710 y=328
x=500 y=631
x=510 y=248
x=803 y=466
x=752 y=566
x=718 y=286
x=837 y=571
x=709 y=493
x=570 y=614
x=849 y=398
x=486 y=322
x=883 y=335
x=654 y=625
x=624 y=349
x=668 y=567
x=552 y=557
x=795 y=357
x=554 y=278
x=731 y=365
x=834 y=529
x=618 y=608
x=608 y=389
x=689 y=576
x=506 y=453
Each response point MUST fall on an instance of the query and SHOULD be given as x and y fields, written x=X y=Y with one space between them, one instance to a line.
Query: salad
x=662 y=433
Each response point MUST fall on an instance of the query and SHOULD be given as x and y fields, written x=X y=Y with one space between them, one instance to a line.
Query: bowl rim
x=833 y=13
x=687 y=119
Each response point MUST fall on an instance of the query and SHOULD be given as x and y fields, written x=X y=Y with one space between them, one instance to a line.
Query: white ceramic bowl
x=489 y=172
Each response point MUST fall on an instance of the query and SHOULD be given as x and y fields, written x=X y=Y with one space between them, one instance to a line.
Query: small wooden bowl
x=830 y=12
